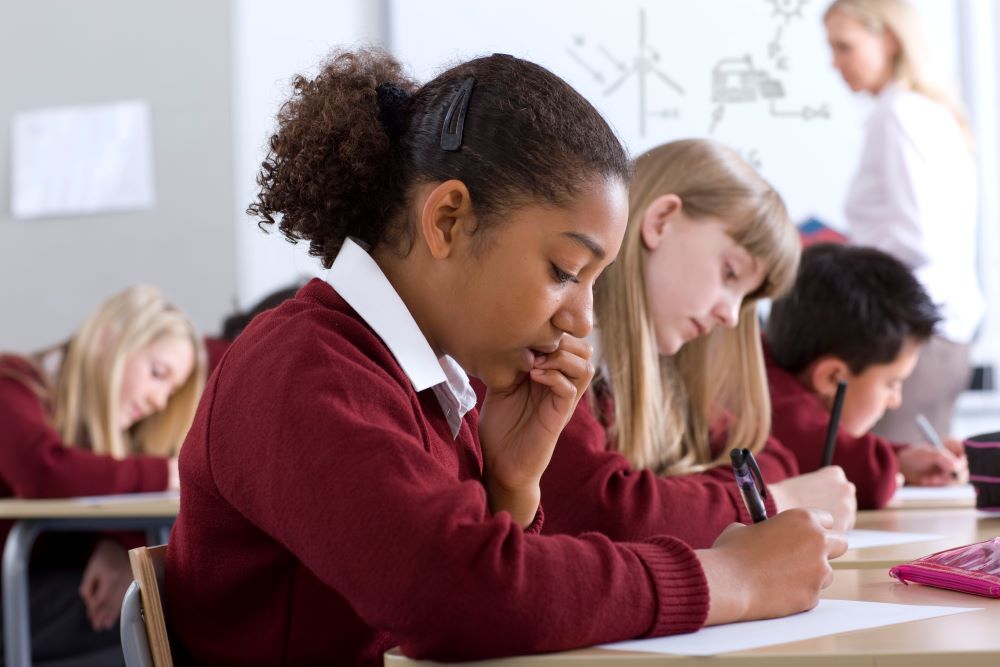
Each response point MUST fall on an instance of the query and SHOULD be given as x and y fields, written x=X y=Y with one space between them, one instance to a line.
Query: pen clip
x=752 y=462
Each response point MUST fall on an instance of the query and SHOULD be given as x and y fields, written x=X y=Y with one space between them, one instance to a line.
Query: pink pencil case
x=974 y=568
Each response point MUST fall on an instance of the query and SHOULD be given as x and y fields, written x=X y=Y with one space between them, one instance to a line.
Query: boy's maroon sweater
x=800 y=419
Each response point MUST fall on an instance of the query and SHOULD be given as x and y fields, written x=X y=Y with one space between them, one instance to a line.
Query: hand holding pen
x=940 y=464
x=744 y=561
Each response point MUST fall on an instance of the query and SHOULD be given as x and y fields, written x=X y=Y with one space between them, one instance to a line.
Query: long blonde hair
x=664 y=406
x=88 y=384
x=912 y=67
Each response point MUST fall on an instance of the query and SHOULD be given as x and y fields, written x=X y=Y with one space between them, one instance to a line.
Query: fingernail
x=537 y=372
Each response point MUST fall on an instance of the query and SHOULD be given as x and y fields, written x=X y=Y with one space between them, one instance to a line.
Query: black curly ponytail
x=352 y=141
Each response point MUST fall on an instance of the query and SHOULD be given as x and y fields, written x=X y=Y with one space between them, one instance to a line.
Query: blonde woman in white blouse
x=914 y=194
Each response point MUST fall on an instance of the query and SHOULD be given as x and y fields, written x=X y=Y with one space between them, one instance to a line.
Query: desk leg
x=160 y=534
x=16 y=622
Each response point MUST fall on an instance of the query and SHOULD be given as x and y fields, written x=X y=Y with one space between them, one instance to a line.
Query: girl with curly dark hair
x=342 y=494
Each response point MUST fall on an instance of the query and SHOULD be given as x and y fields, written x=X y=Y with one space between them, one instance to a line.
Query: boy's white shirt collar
x=361 y=283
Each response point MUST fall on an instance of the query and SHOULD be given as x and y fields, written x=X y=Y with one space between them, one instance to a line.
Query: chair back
x=143 y=627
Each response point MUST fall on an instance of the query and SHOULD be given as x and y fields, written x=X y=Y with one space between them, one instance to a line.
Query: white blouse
x=914 y=197
x=361 y=283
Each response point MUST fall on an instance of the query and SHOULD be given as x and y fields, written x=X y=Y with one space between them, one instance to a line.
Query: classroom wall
x=215 y=84
x=271 y=43
x=176 y=55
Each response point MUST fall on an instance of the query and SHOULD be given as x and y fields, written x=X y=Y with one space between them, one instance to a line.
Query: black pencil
x=831 y=430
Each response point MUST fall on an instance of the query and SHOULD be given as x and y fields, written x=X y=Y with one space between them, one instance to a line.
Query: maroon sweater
x=799 y=419
x=36 y=463
x=589 y=486
x=328 y=514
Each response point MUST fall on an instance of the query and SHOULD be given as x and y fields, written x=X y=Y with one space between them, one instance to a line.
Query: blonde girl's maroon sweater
x=35 y=462
x=801 y=419
x=328 y=514
x=590 y=486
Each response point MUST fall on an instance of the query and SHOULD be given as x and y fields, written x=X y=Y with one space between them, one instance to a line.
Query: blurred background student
x=103 y=413
x=914 y=193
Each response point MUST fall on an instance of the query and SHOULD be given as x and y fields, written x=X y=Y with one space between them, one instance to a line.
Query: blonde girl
x=681 y=379
x=103 y=413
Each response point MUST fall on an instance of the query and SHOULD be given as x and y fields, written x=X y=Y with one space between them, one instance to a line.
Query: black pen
x=743 y=465
x=834 y=426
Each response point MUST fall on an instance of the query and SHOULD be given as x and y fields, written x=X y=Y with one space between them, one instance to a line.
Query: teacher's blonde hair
x=912 y=67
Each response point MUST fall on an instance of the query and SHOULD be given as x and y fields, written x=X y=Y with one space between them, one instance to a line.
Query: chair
x=143 y=628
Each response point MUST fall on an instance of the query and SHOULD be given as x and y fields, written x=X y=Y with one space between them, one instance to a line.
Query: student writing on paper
x=681 y=378
x=342 y=493
x=103 y=413
x=858 y=315
x=914 y=192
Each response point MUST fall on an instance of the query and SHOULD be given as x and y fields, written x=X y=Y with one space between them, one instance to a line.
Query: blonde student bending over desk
x=103 y=413
x=681 y=377
x=342 y=493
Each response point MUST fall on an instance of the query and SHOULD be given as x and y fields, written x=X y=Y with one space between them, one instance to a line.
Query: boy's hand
x=923 y=465
x=519 y=426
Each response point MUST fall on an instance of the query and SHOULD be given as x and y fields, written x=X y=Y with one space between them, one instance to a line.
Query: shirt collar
x=361 y=283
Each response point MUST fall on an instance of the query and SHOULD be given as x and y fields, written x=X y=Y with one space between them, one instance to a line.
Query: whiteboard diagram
x=752 y=74
x=644 y=64
x=735 y=80
x=739 y=81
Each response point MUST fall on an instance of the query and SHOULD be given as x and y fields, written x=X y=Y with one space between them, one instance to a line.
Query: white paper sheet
x=863 y=539
x=828 y=618
x=924 y=493
x=82 y=159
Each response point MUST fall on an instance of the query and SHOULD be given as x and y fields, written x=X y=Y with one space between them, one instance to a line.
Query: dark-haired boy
x=859 y=315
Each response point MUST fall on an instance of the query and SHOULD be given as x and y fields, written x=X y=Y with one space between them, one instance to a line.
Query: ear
x=446 y=212
x=824 y=375
x=658 y=215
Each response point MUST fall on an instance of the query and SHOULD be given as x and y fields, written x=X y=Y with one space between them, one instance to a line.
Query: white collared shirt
x=914 y=197
x=361 y=283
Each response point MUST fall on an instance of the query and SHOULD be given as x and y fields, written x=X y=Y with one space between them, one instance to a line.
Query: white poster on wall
x=76 y=160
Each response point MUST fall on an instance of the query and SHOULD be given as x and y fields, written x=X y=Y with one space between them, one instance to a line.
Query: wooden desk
x=957 y=526
x=963 y=640
x=153 y=513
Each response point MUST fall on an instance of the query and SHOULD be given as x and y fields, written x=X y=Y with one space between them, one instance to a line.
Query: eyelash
x=562 y=277
x=729 y=273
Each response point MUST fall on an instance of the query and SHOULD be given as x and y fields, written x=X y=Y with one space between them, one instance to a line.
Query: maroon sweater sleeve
x=35 y=463
x=587 y=487
x=800 y=421
x=327 y=453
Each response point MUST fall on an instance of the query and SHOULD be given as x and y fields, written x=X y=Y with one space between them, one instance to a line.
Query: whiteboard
x=754 y=74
